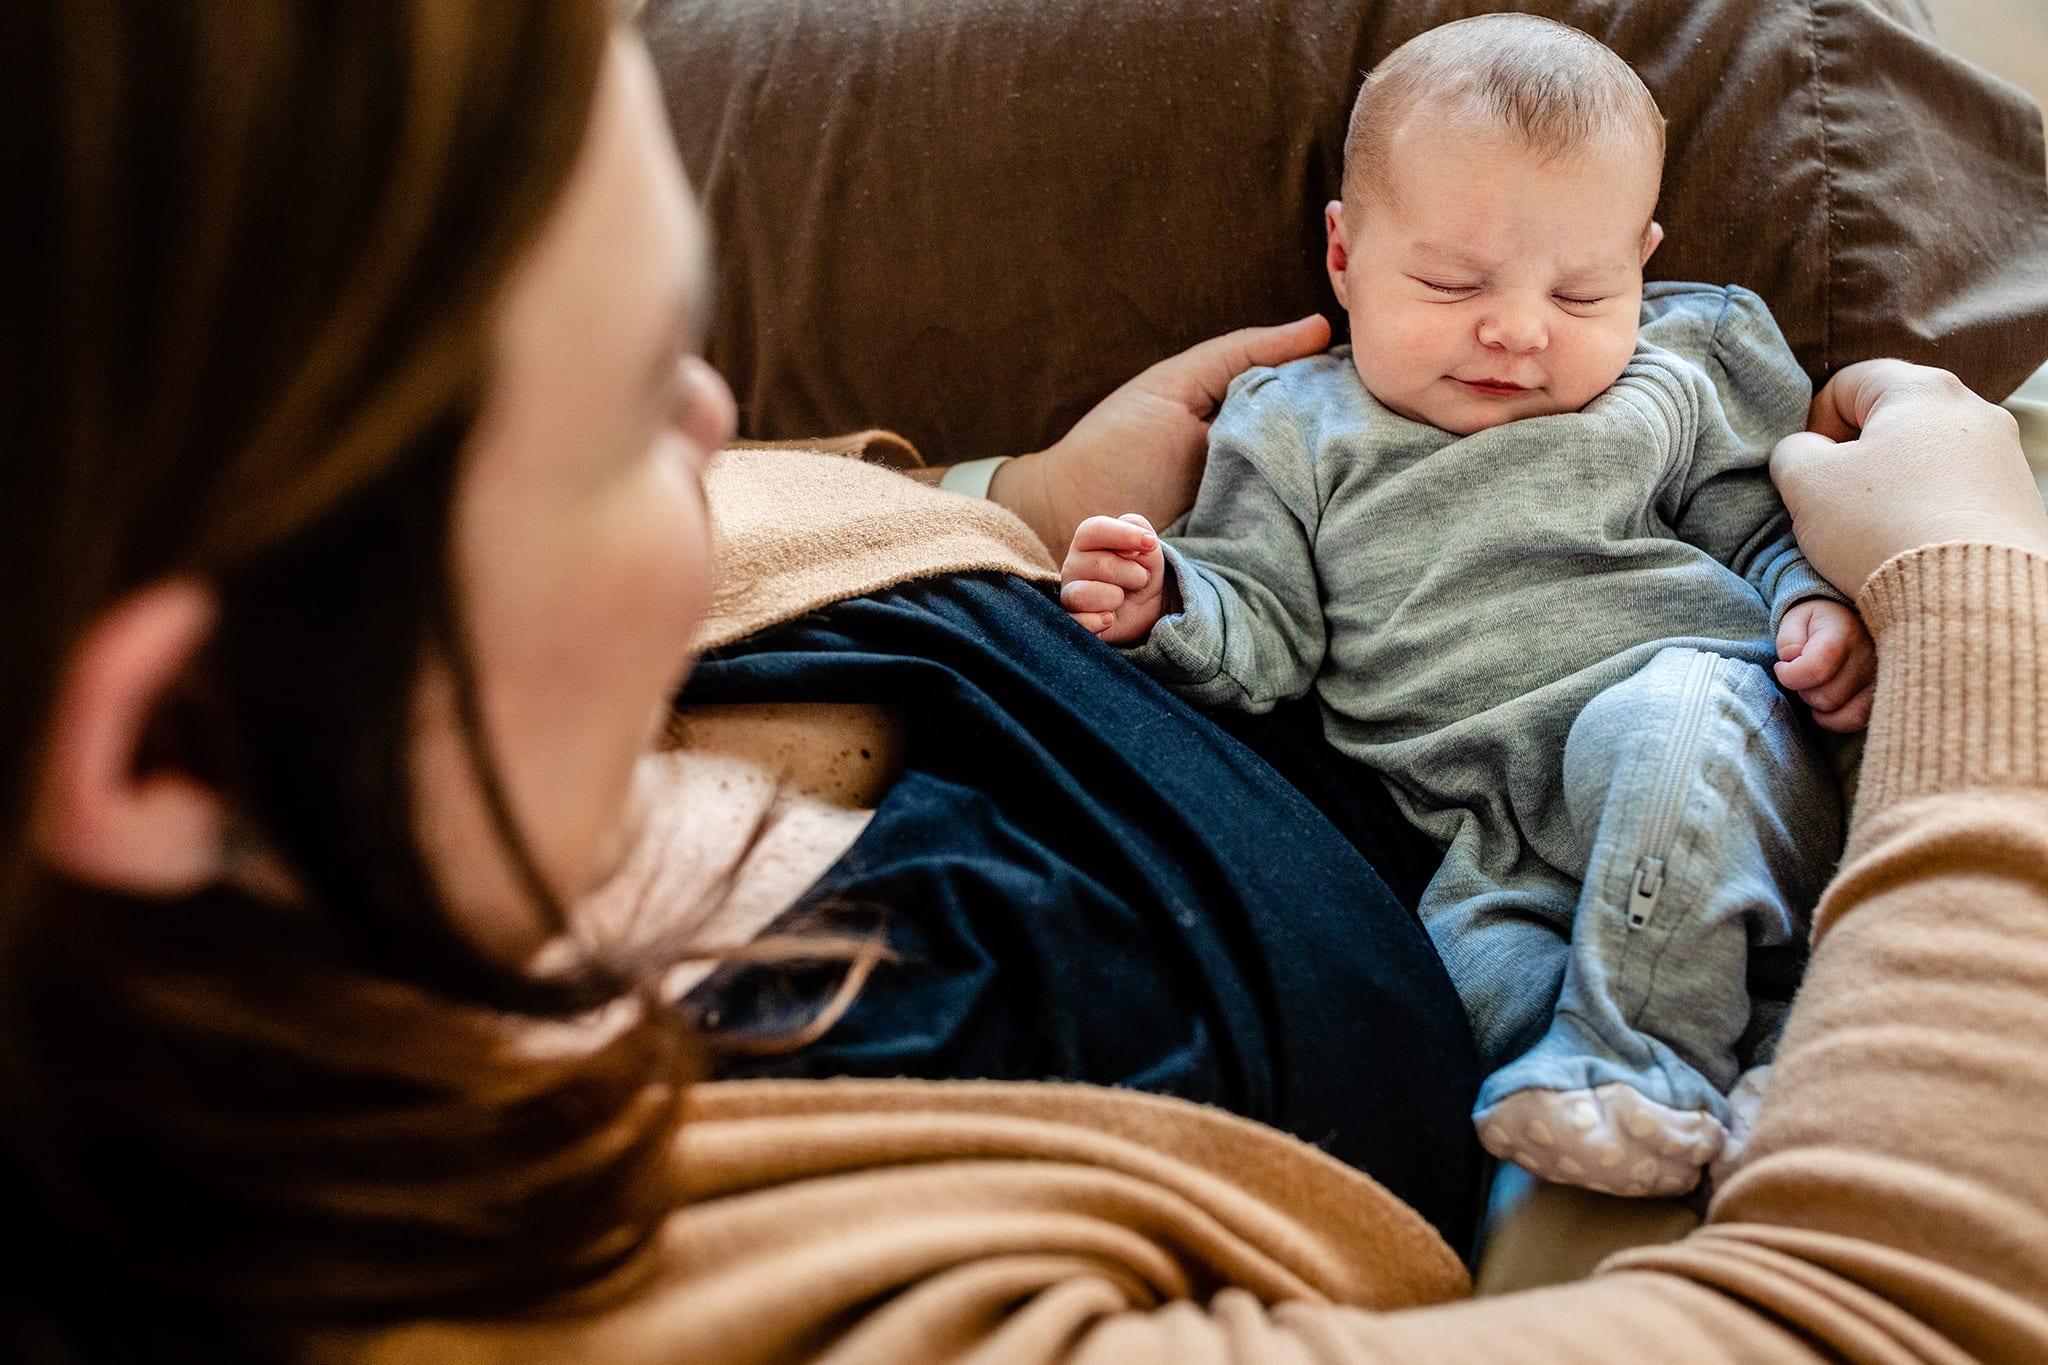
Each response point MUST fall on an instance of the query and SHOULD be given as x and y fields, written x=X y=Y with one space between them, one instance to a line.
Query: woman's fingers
x=1903 y=456
x=1198 y=377
x=1251 y=346
x=1844 y=404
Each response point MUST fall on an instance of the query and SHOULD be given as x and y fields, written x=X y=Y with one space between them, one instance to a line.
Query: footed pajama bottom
x=1614 y=1014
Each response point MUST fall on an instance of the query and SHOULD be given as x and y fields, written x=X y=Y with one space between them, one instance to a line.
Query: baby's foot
x=1608 y=1138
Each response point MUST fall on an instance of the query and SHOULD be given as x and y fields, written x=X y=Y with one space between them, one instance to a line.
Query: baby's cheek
x=1409 y=332
x=1389 y=360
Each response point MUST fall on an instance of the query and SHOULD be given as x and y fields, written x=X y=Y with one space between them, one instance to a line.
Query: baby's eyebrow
x=1594 y=272
x=1577 y=270
x=1453 y=255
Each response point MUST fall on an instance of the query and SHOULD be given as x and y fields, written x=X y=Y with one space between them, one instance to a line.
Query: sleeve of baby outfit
x=1749 y=393
x=1250 y=630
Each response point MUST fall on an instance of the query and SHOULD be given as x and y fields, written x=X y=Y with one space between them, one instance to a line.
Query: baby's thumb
x=1136 y=519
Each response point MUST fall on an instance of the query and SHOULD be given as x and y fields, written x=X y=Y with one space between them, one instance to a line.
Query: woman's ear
x=1338 y=254
x=101 y=818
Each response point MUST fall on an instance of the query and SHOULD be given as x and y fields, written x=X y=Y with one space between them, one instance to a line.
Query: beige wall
x=2006 y=37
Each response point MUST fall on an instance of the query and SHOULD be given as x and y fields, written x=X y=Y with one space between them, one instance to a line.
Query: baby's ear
x=1338 y=255
x=1653 y=236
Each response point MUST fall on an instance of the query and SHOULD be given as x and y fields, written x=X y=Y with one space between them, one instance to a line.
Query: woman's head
x=352 y=534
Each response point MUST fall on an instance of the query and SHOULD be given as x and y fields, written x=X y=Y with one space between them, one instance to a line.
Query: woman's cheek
x=677 y=568
x=633 y=642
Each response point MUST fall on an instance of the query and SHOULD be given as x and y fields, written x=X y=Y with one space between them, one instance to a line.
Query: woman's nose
x=1515 y=327
x=710 y=414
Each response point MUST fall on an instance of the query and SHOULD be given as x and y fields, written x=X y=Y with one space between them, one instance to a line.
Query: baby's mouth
x=1492 y=388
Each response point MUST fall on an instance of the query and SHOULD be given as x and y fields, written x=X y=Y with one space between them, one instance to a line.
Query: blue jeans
x=1083 y=879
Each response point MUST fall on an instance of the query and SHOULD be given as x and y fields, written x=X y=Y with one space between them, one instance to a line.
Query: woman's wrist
x=1962 y=679
x=1019 y=484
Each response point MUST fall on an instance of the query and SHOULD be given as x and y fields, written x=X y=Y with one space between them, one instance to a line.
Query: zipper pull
x=1642 y=897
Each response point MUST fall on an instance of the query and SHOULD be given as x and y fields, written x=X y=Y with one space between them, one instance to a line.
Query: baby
x=1520 y=538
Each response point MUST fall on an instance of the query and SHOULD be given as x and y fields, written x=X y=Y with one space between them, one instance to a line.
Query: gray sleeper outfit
x=1551 y=639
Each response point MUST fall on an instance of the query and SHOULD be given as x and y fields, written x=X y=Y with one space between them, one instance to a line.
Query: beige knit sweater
x=1894 y=1205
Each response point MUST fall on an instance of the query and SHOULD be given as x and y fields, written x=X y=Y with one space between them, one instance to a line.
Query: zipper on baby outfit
x=1668 y=800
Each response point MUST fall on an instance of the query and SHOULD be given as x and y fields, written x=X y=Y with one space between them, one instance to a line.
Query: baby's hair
x=1556 y=87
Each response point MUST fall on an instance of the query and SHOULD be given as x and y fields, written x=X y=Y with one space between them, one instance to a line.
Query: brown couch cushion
x=969 y=220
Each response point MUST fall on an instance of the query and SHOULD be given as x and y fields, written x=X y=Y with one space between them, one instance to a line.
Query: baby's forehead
x=1421 y=154
x=1415 y=141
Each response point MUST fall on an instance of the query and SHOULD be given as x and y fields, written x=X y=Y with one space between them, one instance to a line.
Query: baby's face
x=1486 y=284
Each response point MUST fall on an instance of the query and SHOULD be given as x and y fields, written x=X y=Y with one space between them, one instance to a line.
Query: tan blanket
x=799 y=529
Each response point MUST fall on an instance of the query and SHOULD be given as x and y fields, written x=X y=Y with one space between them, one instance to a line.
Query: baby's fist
x=1826 y=655
x=1114 y=579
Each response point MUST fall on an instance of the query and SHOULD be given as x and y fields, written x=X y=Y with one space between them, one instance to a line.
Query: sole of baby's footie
x=1608 y=1138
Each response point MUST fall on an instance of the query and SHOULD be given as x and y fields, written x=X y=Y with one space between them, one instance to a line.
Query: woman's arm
x=1141 y=448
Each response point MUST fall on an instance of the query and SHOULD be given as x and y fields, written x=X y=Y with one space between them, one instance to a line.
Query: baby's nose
x=1514 y=327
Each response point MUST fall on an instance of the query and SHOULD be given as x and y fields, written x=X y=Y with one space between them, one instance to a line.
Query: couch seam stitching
x=1827 y=185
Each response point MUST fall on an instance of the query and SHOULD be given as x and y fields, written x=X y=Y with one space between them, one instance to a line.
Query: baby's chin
x=1462 y=424
x=1463 y=415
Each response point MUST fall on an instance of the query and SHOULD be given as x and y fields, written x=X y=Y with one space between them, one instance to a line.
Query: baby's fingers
x=1833 y=693
x=1103 y=567
x=1129 y=534
x=1842 y=702
x=1082 y=595
x=1851 y=715
x=1811 y=644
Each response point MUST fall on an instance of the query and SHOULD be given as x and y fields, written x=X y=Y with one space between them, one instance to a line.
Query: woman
x=326 y=726
x=371 y=483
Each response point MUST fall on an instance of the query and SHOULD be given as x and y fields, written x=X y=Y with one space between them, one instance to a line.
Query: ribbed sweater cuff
x=1962 y=639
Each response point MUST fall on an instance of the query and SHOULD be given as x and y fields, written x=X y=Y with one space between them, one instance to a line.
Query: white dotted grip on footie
x=1609 y=1138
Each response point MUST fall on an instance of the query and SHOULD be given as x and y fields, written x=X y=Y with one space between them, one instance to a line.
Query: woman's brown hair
x=253 y=254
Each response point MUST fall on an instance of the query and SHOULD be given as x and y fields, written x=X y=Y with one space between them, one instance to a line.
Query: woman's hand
x=1141 y=449
x=1901 y=456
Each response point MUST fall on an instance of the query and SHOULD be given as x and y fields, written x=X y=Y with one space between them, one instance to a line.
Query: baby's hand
x=1114 y=579
x=1826 y=656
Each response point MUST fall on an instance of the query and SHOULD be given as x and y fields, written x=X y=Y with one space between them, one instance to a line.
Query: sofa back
x=968 y=220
